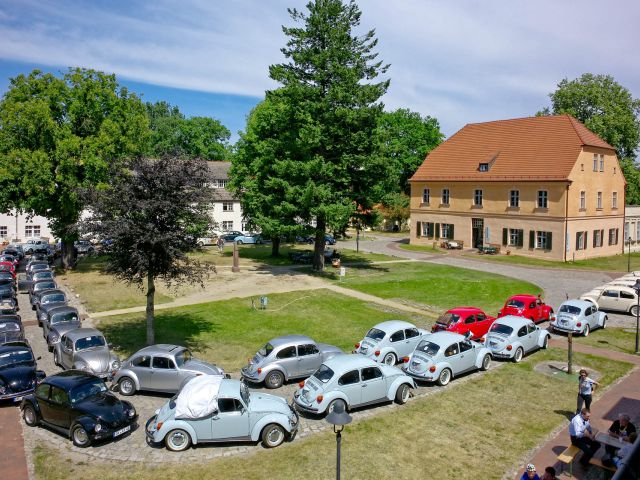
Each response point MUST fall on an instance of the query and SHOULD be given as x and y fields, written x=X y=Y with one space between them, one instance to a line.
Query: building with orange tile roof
x=546 y=187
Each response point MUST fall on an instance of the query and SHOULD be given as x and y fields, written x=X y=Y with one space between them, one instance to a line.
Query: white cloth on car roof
x=199 y=397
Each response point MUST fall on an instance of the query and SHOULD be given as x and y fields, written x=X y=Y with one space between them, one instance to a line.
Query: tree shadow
x=566 y=413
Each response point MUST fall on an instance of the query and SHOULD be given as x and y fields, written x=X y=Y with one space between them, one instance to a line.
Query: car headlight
x=115 y=365
x=43 y=316
x=98 y=427
x=87 y=368
x=54 y=338
x=132 y=412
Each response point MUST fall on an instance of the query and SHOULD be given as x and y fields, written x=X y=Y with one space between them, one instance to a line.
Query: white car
x=388 y=342
x=614 y=297
x=513 y=337
x=578 y=316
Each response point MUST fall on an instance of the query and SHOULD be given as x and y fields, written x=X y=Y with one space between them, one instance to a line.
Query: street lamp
x=629 y=256
x=636 y=287
x=339 y=418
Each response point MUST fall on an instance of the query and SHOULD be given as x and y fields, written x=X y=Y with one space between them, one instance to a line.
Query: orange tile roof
x=533 y=148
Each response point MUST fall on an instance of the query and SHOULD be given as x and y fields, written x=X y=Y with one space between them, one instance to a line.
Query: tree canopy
x=59 y=134
x=153 y=212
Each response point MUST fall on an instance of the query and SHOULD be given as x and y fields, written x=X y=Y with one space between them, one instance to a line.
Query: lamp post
x=338 y=418
x=629 y=256
x=636 y=287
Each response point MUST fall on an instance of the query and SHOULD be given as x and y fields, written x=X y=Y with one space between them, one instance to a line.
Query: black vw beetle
x=78 y=404
x=18 y=371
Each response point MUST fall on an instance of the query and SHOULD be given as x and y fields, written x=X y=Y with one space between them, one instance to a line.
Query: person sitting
x=549 y=474
x=530 y=473
x=621 y=429
x=625 y=450
x=582 y=435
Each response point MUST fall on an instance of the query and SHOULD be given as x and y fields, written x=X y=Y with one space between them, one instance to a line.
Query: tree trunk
x=275 y=246
x=318 y=249
x=69 y=256
x=151 y=291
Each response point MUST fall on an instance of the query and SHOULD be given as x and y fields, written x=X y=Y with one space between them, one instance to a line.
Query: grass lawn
x=435 y=287
x=227 y=332
x=615 y=263
x=482 y=428
x=420 y=248
x=618 y=339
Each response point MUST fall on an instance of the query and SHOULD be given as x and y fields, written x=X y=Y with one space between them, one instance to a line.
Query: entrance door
x=477 y=229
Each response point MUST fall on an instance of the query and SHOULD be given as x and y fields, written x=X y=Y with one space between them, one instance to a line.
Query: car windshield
x=448 y=318
x=515 y=303
x=323 y=374
x=6 y=280
x=87 y=390
x=36 y=267
x=58 y=297
x=244 y=393
x=182 y=357
x=90 y=342
x=43 y=286
x=501 y=328
x=42 y=275
x=428 y=347
x=570 y=309
x=10 y=359
x=266 y=350
x=64 y=317
x=376 y=334
x=9 y=327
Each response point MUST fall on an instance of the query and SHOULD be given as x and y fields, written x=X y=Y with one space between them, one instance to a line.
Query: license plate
x=121 y=431
x=17 y=399
x=493 y=344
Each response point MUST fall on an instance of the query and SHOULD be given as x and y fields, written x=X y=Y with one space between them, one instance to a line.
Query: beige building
x=632 y=228
x=542 y=186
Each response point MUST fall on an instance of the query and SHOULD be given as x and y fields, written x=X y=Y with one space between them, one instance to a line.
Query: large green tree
x=60 y=134
x=608 y=109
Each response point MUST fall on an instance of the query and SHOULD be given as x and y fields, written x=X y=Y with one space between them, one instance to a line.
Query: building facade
x=631 y=234
x=545 y=187
x=18 y=226
x=226 y=212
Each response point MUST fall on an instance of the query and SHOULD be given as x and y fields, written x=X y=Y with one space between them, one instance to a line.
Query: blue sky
x=461 y=62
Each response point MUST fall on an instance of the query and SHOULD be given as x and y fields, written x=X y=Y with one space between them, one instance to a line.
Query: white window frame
x=595 y=162
x=625 y=232
x=541 y=240
x=227 y=225
x=614 y=199
x=597 y=238
x=599 y=201
x=426 y=195
x=477 y=197
x=227 y=206
x=613 y=236
x=4 y=231
x=514 y=235
x=581 y=244
x=543 y=199
x=514 y=198
x=601 y=163
x=444 y=230
x=445 y=196
x=583 y=200
x=32 y=231
x=637 y=231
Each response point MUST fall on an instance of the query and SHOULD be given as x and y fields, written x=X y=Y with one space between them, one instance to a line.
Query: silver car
x=241 y=416
x=85 y=349
x=161 y=368
x=353 y=381
x=512 y=337
x=287 y=357
x=614 y=297
x=578 y=316
x=59 y=321
x=390 y=341
x=441 y=356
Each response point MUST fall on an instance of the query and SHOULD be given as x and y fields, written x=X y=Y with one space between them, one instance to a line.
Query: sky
x=462 y=61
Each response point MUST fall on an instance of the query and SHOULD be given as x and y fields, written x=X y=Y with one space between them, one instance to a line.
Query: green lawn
x=420 y=248
x=436 y=287
x=481 y=428
x=617 y=339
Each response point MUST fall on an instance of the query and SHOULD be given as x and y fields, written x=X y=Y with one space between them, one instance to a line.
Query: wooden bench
x=598 y=463
x=490 y=249
x=568 y=456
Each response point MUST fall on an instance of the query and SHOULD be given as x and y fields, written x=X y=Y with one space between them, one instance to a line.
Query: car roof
x=293 y=338
x=582 y=304
x=50 y=291
x=523 y=296
x=10 y=318
x=393 y=325
x=62 y=309
x=445 y=337
x=229 y=388
x=160 y=348
x=14 y=347
x=69 y=379
x=513 y=321
x=464 y=309
x=348 y=361
x=82 y=332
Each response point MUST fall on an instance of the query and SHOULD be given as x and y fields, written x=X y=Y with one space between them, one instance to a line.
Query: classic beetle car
x=85 y=349
x=287 y=357
x=578 y=316
x=80 y=405
x=59 y=321
x=528 y=306
x=240 y=416
x=353 y=381
x=46 y=297
x=462 y=320
x=18 y=371
x=442 y=356
x=39 y=286
x=11 y=329
x=390 y=341
x=160 y=368
x=254 y=238
x=512 y=337
x=613 y=297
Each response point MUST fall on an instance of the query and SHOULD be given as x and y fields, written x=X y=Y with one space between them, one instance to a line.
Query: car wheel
x=333 y=404
x=444 y=378
x=518 y=355
x=30 y=416
x=56 y=359
x=545 y=342
x=389 y=359
x=274 y=379
x=126 y=386
x=486 y=361
x=604 y=322
x=272 y=435
x=177 y=440
x=80 y=437
x=239 y=242
x=586 y=331
x=402 y=394
x=201 y=244
x=634 y=311
x=550 y=314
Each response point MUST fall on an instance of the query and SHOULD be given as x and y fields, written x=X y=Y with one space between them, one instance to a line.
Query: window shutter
x=418 y=229
x=577 y=240
x=549 y=244
x=594 y=239
x=437 y=231
x=505 y=236
x=617 y=231
x=451 y=234
x=532 y=238
x=586 y=238
x=602 y=238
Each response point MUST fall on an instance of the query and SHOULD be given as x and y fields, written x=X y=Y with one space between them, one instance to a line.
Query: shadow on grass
x=566 y=413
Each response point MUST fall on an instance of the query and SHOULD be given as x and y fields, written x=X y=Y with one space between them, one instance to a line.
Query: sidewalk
x=13 y=462
x=621 y=397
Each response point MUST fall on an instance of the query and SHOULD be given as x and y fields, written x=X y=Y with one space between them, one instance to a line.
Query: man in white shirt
x=582 y=435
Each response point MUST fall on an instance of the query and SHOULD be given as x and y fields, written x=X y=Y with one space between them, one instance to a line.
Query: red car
x=462 y=320
x=528 y=306
x=8 y=267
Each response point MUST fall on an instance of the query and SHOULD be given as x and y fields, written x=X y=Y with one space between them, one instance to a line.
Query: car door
x=398 y=343
x=141 y=367
x=231 y=420
x=66 y=352
x=589 y=317
x=609 y=299
x=287 y=358
x=58 y=407
x=42 y=397
x=309 y=359
x=533 y=333
x=349 y=384
x=469 y=325
x=164 y=375
x=373 y=385
x=412 y=338
x=467 y=356
x=627 y=299
x=523 y=338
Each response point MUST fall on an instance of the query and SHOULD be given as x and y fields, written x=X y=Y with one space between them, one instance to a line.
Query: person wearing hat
x=530 y=473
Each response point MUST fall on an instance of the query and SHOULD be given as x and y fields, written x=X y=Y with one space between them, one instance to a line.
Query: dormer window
x=483 y=167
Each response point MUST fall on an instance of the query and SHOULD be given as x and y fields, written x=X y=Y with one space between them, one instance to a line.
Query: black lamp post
x=629 y=256
x=636 y=287
x=338 y=418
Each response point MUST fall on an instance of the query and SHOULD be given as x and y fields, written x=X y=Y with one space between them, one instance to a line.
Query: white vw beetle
x=444 y=355
x=578 y=316
x=512 y=337
x=390 y=341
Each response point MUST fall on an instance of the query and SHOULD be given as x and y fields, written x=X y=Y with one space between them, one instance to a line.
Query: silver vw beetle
x=578 y=316
x=512 y=337
x=85 y=349
x=241 y=416
x=443 y=355
x=287 y=357
x=353 y=381
x=160 y=368
x=59 y=321
x=390 y=341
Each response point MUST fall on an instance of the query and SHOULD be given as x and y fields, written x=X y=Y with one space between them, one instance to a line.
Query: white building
x=20 y=226
x=632 y=227
x=226 y=213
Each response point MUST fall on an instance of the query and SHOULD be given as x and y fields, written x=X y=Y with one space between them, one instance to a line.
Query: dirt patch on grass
x=559 y=370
